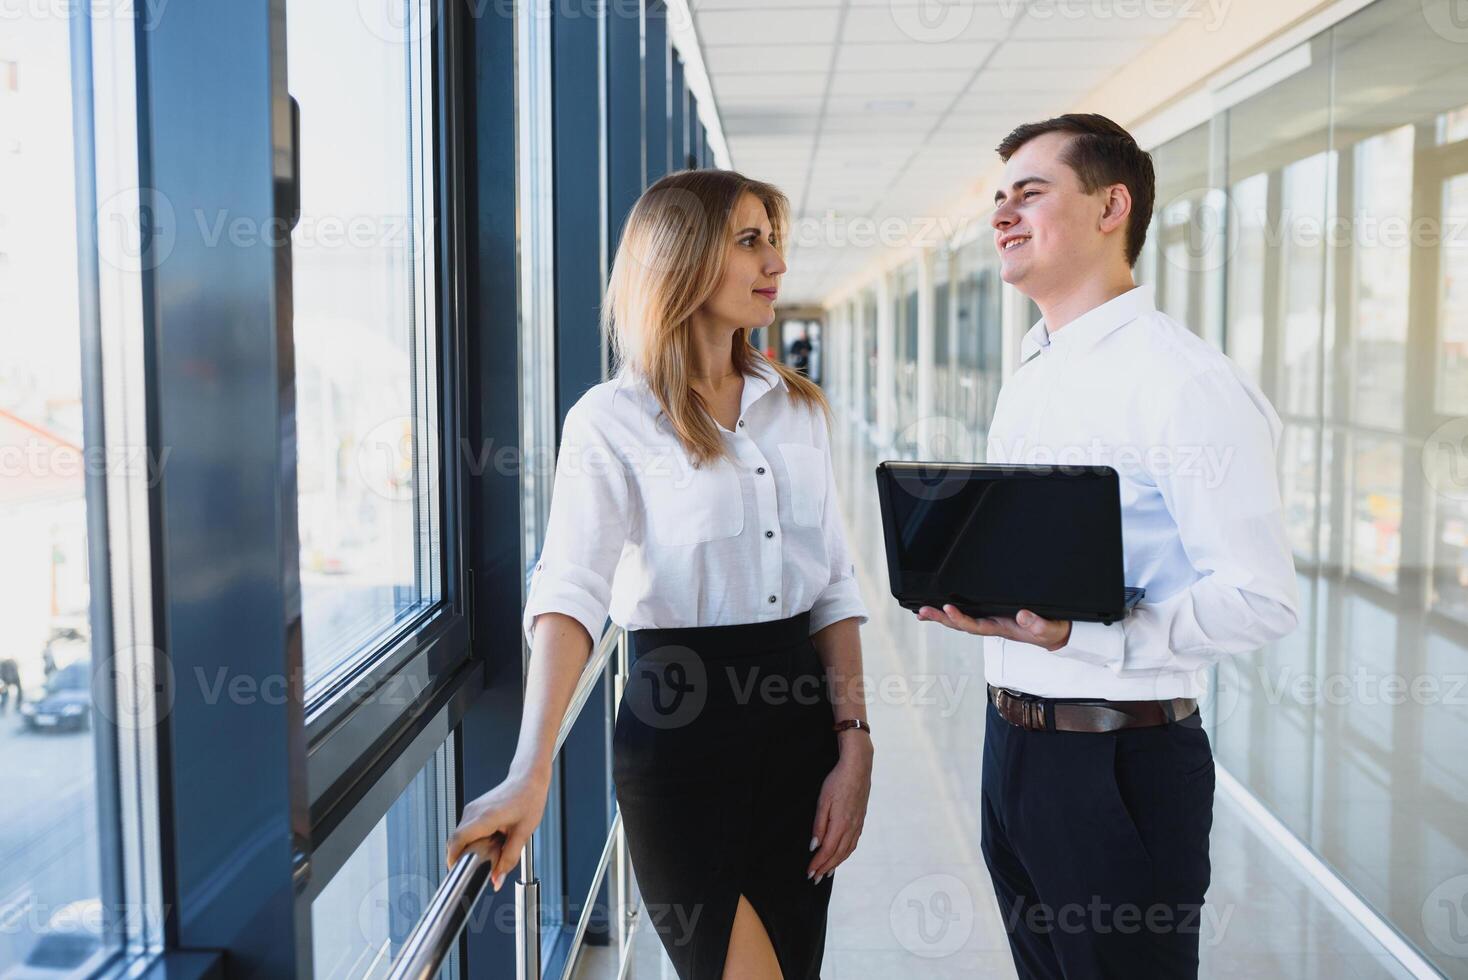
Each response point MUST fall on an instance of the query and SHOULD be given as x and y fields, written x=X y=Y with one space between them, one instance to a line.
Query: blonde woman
x=694 y=500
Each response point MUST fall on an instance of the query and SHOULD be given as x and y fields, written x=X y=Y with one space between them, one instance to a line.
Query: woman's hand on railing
x=506 y=815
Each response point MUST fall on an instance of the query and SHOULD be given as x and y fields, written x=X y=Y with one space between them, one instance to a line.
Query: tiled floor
x=914 y=901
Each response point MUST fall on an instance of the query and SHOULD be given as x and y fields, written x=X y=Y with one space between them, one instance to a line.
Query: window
x=978 y=338
x=78 y=812
x=1348 y=188
x=366 y=327
x=362 y=917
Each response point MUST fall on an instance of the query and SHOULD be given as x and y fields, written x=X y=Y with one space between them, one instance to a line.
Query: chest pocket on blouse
x=807 y=468
x=691 y=506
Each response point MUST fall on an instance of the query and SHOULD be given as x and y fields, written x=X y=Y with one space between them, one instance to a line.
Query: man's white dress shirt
x=1194 y=442
x=636 y=531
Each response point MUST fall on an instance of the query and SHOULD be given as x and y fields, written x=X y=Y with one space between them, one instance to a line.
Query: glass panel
x=538 y=406
x=979 y=339
x=362 y=917
x=1450 y=561
x=869 y=354
x=1278 y=174
x=904 y=366
x=1187 y=232
x=534 y=188
x=1380 y=263
x=78 y=882
x=1299 y=486
x=1393 y=816
x=1359 y=751
x=942 y=340
x=363 y=282
x=49 y=854
x=1376 y=529
x=1301 y=257
x=1244 y=340
x=1452 y=319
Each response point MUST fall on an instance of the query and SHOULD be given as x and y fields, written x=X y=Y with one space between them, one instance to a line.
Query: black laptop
x=994 y=539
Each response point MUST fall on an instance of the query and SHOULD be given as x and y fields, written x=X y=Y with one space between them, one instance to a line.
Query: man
x=1098 y=777
x=10 y=680
x=800 y=349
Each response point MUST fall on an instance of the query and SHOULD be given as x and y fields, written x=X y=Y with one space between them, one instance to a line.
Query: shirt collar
x=761 y=380
x=1086 y=330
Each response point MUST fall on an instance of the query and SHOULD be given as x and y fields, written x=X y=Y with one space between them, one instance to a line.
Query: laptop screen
x=1008 y=534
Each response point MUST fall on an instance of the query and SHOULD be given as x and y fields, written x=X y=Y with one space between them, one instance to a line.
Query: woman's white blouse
x=636 y=531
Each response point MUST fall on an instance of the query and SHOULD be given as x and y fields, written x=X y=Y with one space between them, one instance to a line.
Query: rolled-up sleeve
x=1232 y=529
x=586 y=532
x=841 y=597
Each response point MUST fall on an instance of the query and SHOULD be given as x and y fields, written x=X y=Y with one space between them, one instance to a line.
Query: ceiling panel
x=897 y=84
x=743 y=59
x=1068 y=53
x=766 y=26
x=913 y=56
x=890 y=123
x=775 y=83
x=1100 y=22
x=871 y=110
x=930 y=26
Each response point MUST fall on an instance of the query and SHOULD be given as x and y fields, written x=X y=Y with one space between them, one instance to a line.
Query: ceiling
x=875 y=116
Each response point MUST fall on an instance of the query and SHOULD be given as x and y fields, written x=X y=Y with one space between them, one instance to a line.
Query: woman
x=694 y=500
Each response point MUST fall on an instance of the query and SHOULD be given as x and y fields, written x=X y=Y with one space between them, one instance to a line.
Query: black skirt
x=721 y=746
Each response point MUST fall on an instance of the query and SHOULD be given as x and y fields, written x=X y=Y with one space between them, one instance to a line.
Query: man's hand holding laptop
x=1023 y=627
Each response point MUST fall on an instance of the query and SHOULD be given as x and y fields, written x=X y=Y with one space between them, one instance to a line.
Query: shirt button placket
x=767 y=507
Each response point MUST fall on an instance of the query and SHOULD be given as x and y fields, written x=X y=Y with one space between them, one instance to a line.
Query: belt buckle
x=1031 y=710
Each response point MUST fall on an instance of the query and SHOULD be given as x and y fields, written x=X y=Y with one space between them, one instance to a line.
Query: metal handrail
x=435 y=934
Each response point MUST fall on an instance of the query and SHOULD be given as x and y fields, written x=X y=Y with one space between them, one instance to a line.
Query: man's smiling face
x=1046 y=227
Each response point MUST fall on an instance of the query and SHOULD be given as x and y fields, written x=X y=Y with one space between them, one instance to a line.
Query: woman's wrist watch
x=856 y=723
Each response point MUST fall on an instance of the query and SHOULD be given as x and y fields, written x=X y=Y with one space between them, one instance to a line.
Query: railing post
x=628 y=917
x=527 y=916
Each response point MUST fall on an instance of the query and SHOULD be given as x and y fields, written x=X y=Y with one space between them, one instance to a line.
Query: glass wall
x=364 y=275
x=943 y=334
x=978 y=367
x=362 y=918
x=79 y=882
x=1187 y=243
x=868 y=352
x=1341 y=289
x=905 y=347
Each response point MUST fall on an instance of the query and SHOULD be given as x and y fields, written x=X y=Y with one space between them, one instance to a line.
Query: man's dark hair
x=1101 y=153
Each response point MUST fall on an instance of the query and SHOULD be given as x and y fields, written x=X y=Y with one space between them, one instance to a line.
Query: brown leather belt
x=1037 y=714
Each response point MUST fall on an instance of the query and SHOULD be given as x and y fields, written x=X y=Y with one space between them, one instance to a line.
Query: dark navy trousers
x=1098 y=847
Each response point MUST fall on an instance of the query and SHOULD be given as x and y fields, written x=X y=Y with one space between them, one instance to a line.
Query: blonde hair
x=669 y=262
